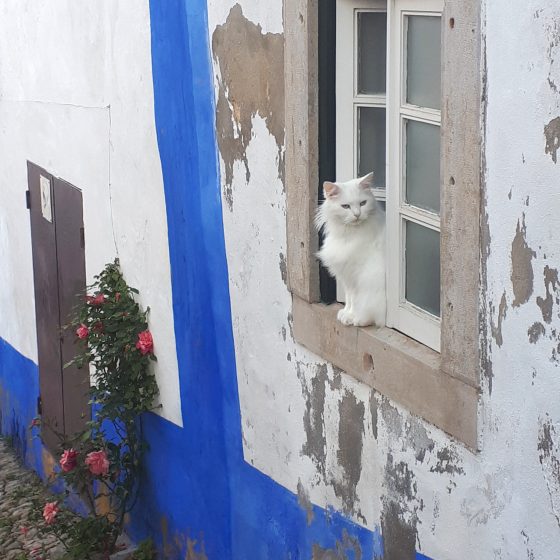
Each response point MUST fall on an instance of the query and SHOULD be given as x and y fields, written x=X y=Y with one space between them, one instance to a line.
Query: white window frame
x=401 y=314
x=348 y=99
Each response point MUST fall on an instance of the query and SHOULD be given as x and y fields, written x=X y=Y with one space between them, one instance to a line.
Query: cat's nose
x=356 y=213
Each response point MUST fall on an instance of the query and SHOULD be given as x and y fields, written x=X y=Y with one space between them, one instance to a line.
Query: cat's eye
x=363 y=203
x=345 y=206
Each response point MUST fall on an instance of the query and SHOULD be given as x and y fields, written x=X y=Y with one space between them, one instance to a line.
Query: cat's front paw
x=345 y=317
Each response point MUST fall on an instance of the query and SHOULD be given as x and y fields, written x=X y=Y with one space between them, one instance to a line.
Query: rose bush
x=104 y=461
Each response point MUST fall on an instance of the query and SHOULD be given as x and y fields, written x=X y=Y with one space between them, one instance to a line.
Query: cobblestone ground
x=18 y=487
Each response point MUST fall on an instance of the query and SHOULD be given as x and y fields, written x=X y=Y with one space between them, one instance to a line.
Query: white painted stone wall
x=504 y=502
x=76 y=98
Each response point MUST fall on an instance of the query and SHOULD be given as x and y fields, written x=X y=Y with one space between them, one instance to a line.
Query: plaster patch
x=497 y=330
x=350 y=445
x=521 y=266
x=305 y=502
x=551 y=284
x=340 y=551
x=250 y=83
x=548 y=446
x=552 y=135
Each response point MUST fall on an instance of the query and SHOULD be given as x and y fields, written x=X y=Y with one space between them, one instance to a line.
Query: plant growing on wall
x=102 y=464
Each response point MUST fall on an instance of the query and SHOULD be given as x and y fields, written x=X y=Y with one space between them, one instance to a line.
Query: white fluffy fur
x=354 y=249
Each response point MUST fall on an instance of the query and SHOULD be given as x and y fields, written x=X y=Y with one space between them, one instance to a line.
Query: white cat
x=353 y=250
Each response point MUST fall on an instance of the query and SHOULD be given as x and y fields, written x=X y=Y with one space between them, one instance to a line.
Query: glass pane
x=422 y=165
x=423 y=86
x=372 y=52
x=371 y=143
x=422 y=267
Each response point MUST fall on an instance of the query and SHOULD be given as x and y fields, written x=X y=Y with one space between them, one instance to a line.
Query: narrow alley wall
x=331 y=440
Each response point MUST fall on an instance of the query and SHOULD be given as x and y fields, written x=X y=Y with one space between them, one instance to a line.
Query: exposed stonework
x=552 y=135
x=250 y=83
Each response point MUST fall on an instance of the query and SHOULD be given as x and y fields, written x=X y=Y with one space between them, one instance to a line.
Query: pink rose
x=69 y=460
x=49 y=512
x=98 y=463
x=99 y=299
x=145 y=342
x=117 y=296
x=82 y=331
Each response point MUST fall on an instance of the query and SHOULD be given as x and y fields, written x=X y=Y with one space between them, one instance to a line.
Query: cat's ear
x=330 y=189
x=367 y=181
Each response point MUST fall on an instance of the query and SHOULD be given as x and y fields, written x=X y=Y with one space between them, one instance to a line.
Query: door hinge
x=82 y=238
x=28 y=199
x=39 y=405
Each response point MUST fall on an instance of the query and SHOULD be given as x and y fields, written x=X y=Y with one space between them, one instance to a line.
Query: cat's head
x=349 y=203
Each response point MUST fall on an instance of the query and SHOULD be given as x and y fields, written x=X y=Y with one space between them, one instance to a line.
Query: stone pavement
x=18 y=487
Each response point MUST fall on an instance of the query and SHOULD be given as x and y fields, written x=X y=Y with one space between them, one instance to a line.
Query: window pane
x=372 y=52
x=371 y=143
x=424 y=61
x=422 y=165
x=422 y=267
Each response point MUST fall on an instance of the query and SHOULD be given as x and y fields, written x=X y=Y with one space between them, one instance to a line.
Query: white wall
x=501 y=503
x=76 y=98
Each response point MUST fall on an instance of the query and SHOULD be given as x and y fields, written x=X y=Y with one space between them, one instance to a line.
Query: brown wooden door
x=59 y=274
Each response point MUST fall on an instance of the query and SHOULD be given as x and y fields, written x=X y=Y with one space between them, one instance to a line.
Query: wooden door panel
x=71 y=291
x=46 y=303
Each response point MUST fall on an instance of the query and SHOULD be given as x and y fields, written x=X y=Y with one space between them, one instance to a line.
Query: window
x=389 y=122
x=432 y=181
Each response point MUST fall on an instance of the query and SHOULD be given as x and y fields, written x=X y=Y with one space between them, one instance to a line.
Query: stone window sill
x=393 y=364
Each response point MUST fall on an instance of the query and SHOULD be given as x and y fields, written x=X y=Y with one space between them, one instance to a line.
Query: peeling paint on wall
x=448 y=462
x=548 y=446
x=192 y=553
x=502 y=311
x=340 y=551
x=535 y=331
x=350 y=444
x=552 y=135
x=551 y=284
x=315 y=446
x=283 y=269
x=250 y=83
x=399 y=536
x=521 y=265
x=304 y=502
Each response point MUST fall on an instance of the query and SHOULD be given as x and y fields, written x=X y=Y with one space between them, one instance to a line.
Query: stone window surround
x=443 y=388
